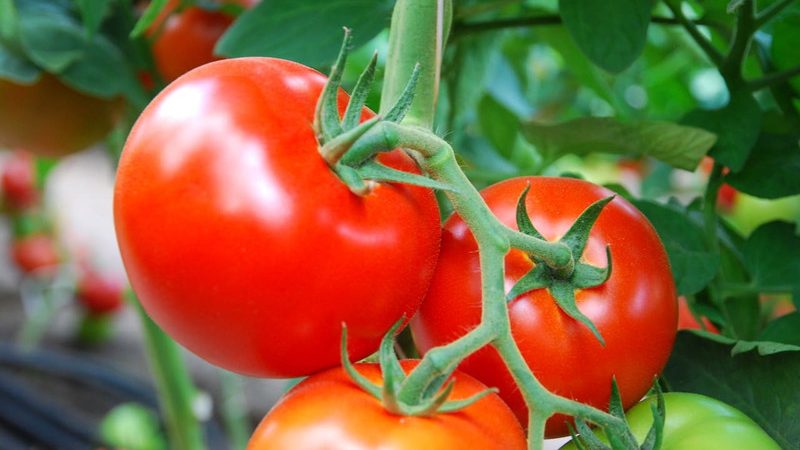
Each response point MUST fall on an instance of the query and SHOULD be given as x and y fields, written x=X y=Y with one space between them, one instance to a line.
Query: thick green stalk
x=419 y=29
x=176 y=393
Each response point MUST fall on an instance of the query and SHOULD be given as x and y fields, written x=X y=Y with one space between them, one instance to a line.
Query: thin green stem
x=731 y=67
x=770 y=12
x=176 y=393
x=691 y=27
x=774 y=78
x=233 y=409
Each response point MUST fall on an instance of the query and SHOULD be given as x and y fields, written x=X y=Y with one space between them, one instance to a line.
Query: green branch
x=731 y=67
x=770 y=12
x=691 y=27
x=773 y=79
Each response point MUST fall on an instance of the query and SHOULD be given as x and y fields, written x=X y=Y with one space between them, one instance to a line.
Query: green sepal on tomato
x=697 y=422
x=329 y=408
x=244 y=245
x=635 y=310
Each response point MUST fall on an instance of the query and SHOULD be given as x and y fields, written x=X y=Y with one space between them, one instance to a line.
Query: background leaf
x=771 y=257
x=774 y=173
x=308 y=32
x=677 y=145
x=766 y=388
x=784 y=329
x=92 y=13
x=611 y=33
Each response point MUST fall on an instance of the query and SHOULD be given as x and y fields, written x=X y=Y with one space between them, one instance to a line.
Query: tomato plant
x=635 y=310
x=185 y=39
x=49 y=118
x=236 y=234
x=34 y=252
x=698 y=422
x=329 y=407
x=20 y=189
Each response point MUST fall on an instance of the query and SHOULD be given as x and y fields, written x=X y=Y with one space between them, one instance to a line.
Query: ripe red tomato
x=186 y=39
x=328 y=410
x=687 y=321
x=99 y=293
x=49 y=118
x=34 y=252
x=243 y=244
x=726 y=198
x=635 y=310
x=19 y=181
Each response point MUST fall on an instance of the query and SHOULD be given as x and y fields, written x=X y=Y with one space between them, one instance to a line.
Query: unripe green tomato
x=697 y=422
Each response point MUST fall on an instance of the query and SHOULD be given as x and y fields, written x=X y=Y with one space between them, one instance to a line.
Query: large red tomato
x=51 y=119
x=244 y=245
x=186 y=39
x=635 y=310
x=329 y=411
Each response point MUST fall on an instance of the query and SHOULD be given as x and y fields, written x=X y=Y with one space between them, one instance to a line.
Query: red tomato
x=329 y=411
x=244 y=245
x=19 y=180
x=187 y=38
x=35 y=251
x=99 y=293
x=50 y=119
x=635 y=310
x=726 y=198
x=687 y=321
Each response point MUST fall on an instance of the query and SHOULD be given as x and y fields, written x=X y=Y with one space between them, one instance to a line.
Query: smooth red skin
x=635 y=310
x=99 y=293
x=49 y=118
x=34 y=252
x=242 y=243
x=687 y=321
x=19 y=181
x=187 y=38
x=328 y=411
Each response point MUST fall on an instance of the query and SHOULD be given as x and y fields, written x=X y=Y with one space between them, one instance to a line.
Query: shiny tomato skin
x=635 y=310
x=48 y=118
x=242 y=243
x=187 y=38
x=34 y=252
x=329 y=412
x=18 y=180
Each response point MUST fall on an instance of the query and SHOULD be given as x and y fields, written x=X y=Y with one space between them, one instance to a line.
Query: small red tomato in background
x=35 y=252
x=20 y=187
x=48 y=118
x=99 y=293
x=328 y=410
x=186 y=39
x=687 y=320
x=726 y=197
x=635 y=310
x=244 y=245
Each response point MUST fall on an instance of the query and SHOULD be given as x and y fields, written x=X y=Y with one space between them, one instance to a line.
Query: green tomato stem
x=176 y=392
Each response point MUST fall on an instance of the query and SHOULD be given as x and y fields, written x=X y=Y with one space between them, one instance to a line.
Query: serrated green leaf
x=51 y=41
x=693 y=266
x=774 y=173
x=762 y=347
x=678 y=145
x=766 y=388
x=737 y=126
x=771 y=256
x=785 y=330
x=611 y=33
x=286 y=28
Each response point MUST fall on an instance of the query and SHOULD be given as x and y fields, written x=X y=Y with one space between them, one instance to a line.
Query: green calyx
x=350 y=146
x=435 y=399
x=562 y=283
x=621 y=439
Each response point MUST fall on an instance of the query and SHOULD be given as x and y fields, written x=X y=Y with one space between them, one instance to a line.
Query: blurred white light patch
x=243 y=180
x=708 y=87
x=636 y=96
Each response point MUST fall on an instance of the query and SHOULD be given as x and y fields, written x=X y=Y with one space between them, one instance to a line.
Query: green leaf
x=693 y=266
x=678 y=145
x=612 y=33
x=737 y=126
x=8 y=20
x=148 y=17
x=498 y=124
x=762 y=347
x=51 y=41
x=784 y=329
x=92 y=13
x=774 y=173
x=785 y=42
x=771 y=256
x=302 y=31
x=765 y=387
x=17 y=69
